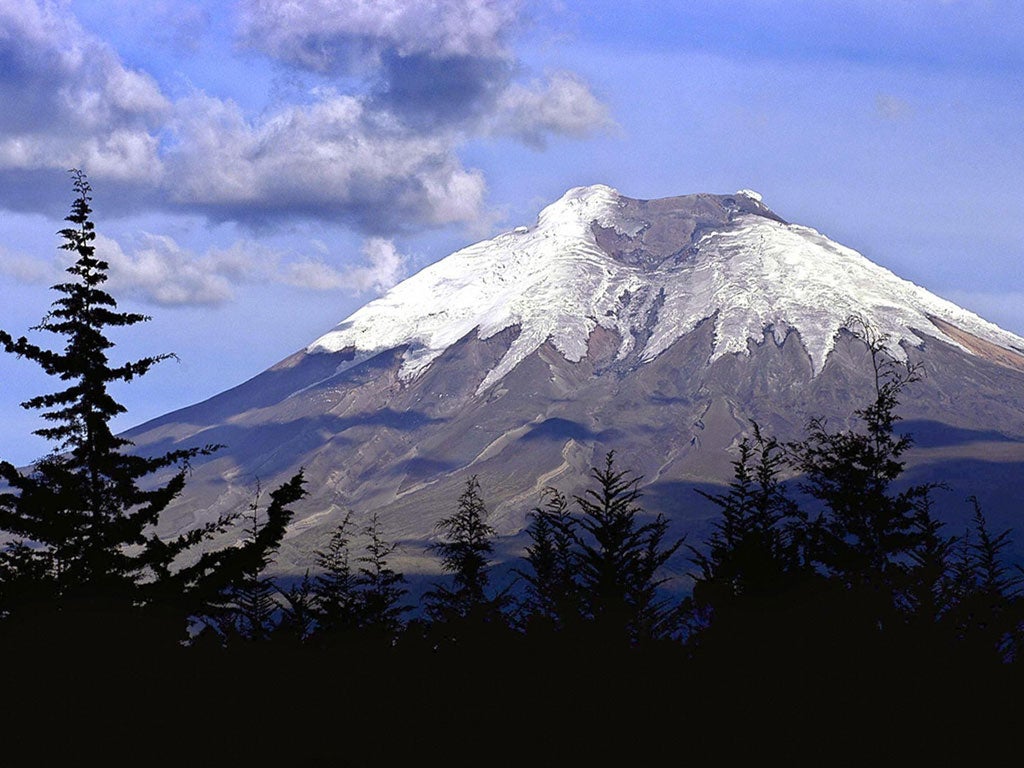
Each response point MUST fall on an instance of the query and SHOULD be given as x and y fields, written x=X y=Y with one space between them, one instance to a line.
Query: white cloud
x=26 y=269
x=159 y=271
x=562 y=104
x=384 y=267
x=332 y=35
x=77 y=104
x=155 y=269
x=332 y=159
x=314 y=275
x=434 y=63
x=382 y=158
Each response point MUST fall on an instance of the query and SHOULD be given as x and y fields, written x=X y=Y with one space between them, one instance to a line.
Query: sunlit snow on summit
x=747 y=269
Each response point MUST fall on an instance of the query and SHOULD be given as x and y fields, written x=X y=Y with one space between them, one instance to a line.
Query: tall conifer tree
x=552 y=594
x=866 y=530
x=619 y=557
x=465 y=549
x=334 y=589
x=755 y=553
x=380 y=586
x=987 y=614
x=83 y=519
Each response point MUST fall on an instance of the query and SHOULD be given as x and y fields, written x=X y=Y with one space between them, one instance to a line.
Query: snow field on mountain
x=557 y=284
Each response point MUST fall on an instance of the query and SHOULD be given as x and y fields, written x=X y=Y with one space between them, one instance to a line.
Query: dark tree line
x=858 y=563
x=816 y=554
x=599 y=570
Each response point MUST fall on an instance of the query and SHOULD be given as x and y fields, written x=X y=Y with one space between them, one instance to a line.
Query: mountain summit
x=659 y=328
x=650 y=271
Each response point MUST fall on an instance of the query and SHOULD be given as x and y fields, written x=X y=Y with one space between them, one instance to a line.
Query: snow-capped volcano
x=657 y=328
x=734 y=260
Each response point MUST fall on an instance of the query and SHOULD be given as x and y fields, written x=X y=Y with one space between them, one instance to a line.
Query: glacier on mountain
x=555 y=282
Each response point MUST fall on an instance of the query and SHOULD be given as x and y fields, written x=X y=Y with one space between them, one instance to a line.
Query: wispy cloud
x=383 y=267
x=562 y=104
x=26 y=269
x=157 y=270
x=338 y=35
x=892 y=107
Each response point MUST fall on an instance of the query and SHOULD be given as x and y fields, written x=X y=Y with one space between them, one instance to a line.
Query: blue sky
x=261 y=169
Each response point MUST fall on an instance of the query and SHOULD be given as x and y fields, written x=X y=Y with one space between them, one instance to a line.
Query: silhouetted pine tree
x=298 y=611
x=83 y=518
x=253 y=605
x=216 y=577
x=931 y=591
x=335 y=598
x=26 y=579
x=619 y=558
x=988 y=613
x=866 y=531
x=752 y=567
x=552 y=594
x=243 y=604
x=380 y=590
x=465 y=552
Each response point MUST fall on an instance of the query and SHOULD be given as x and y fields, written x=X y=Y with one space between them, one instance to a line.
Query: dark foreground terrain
x=503 y=702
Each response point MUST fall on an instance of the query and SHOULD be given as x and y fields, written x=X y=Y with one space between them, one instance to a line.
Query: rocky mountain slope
x=657 y=328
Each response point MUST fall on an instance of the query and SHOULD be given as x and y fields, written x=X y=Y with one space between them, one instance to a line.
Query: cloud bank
x=333 y=159
x=401 y=86
x=76 y=103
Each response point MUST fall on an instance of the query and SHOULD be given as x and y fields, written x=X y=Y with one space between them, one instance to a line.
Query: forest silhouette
x=841 y=622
